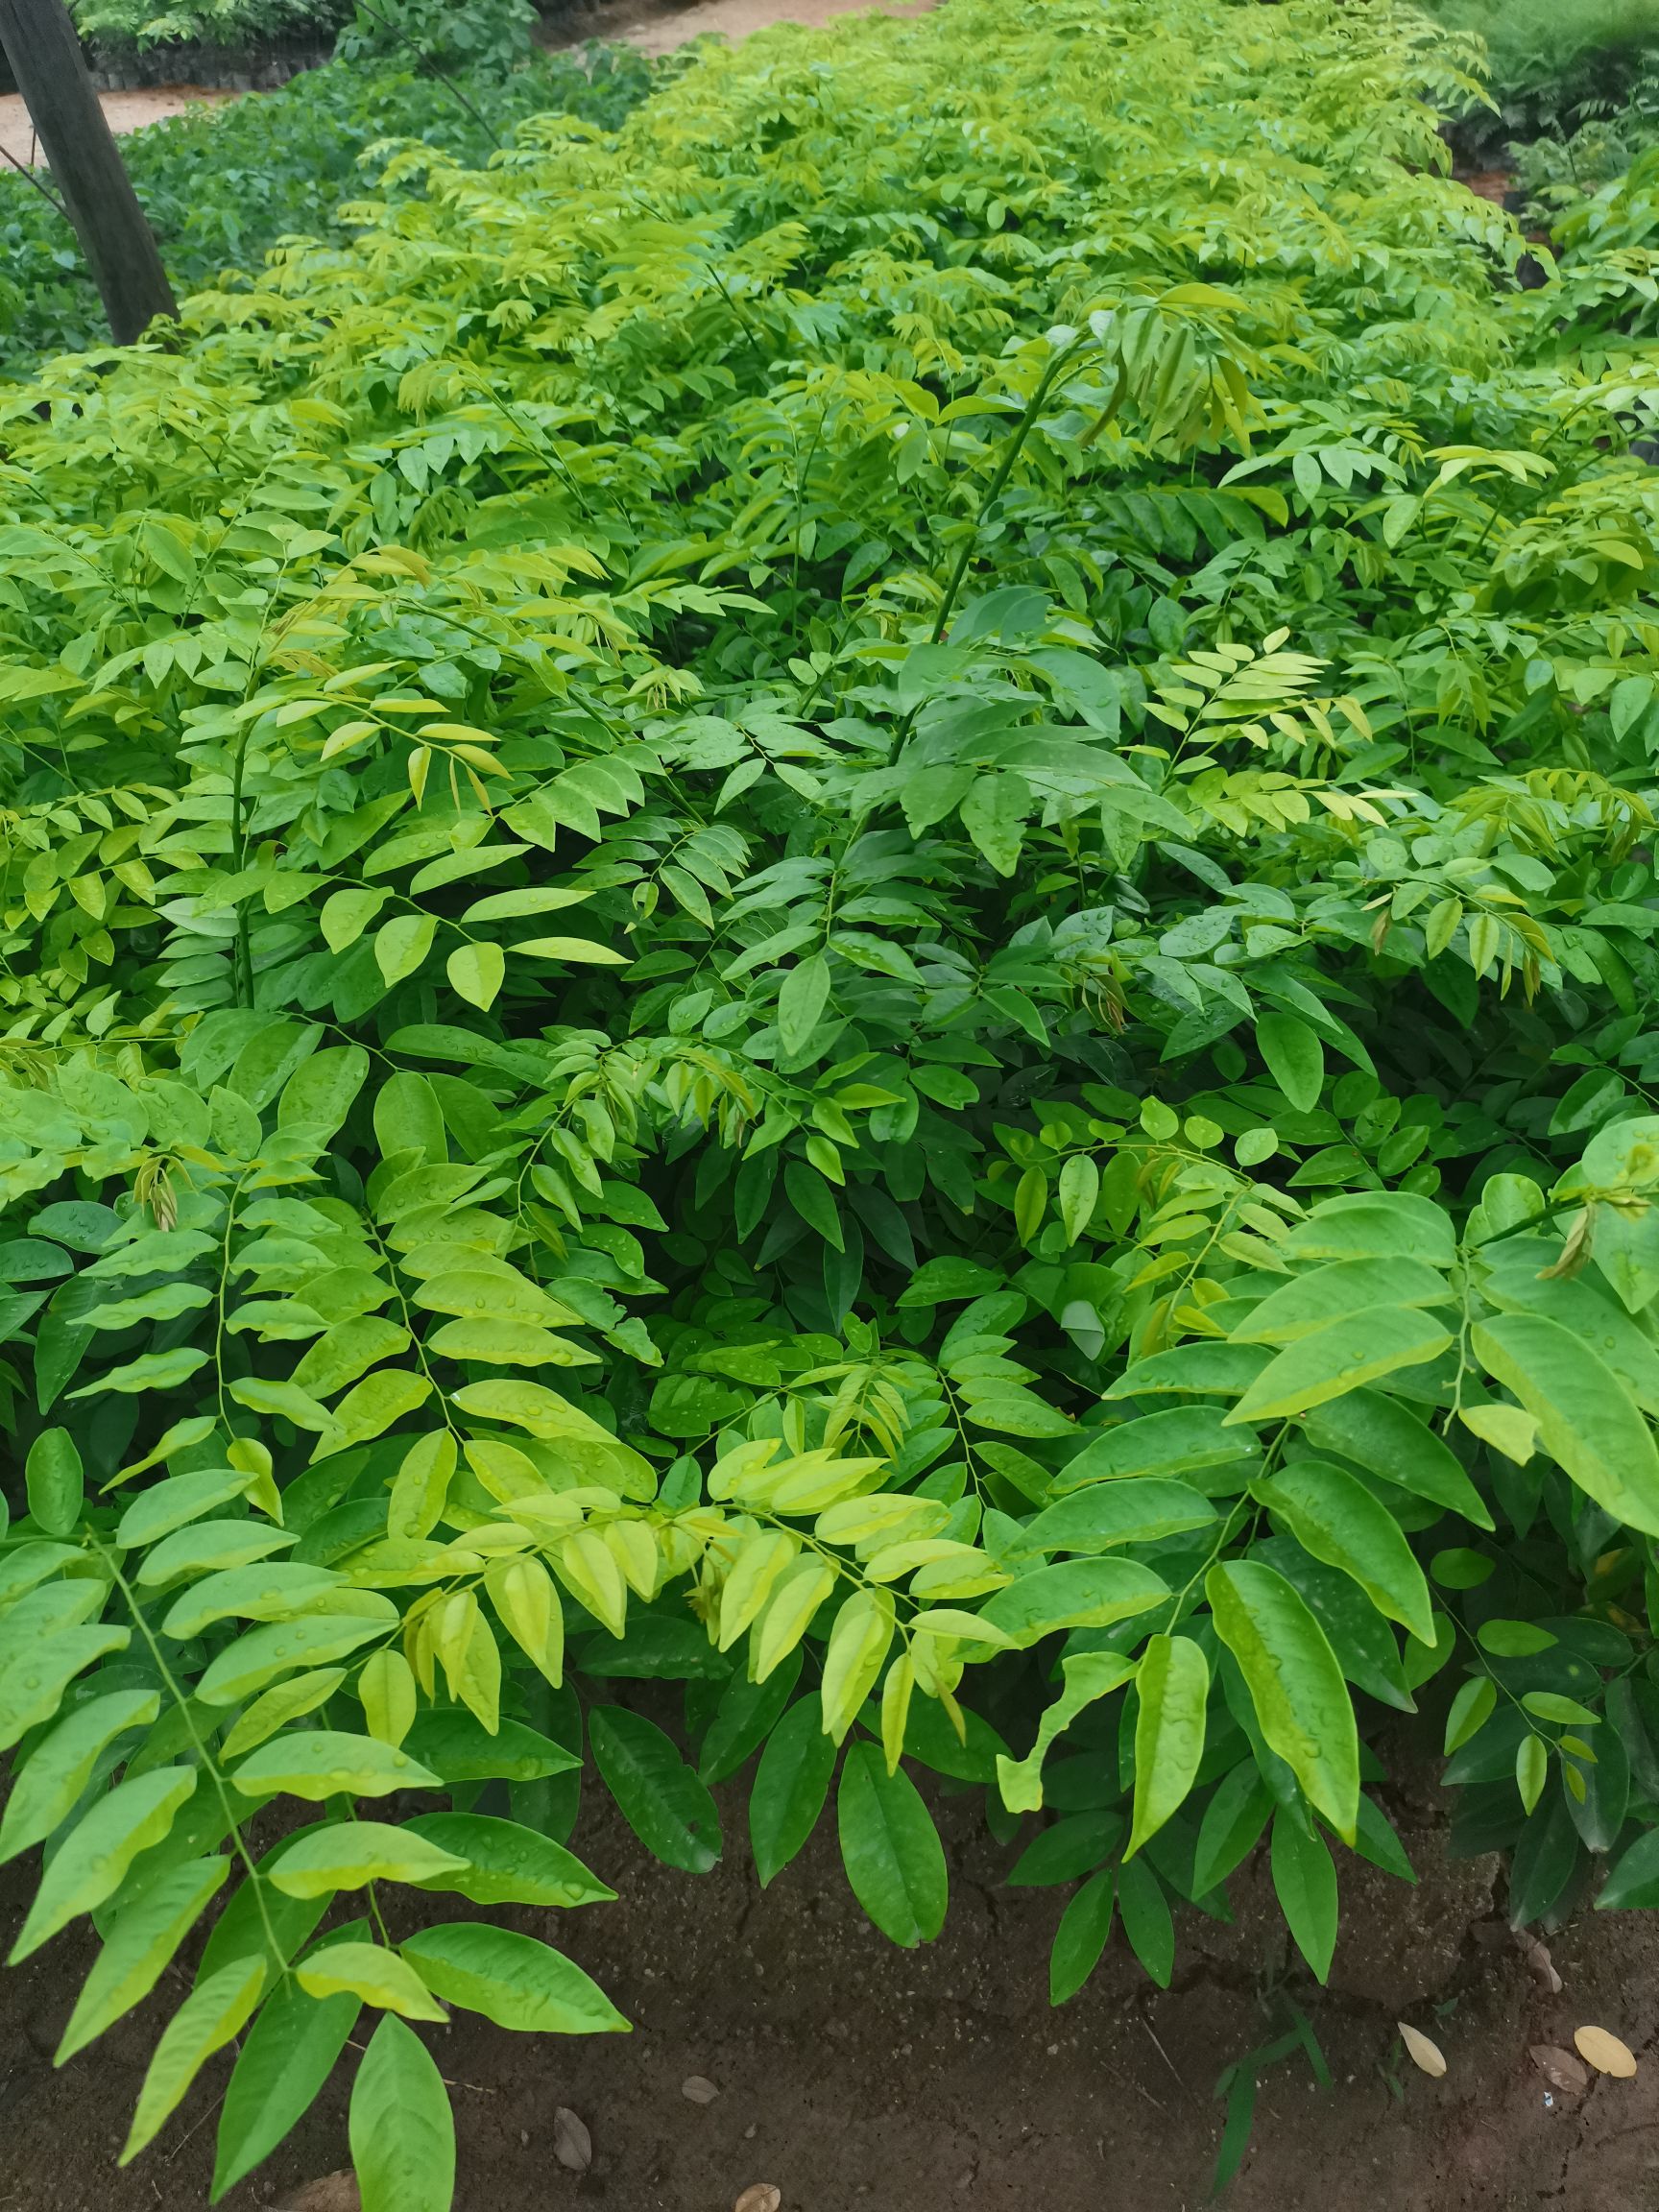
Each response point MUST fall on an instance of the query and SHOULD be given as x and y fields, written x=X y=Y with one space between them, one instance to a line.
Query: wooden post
x=45 y=50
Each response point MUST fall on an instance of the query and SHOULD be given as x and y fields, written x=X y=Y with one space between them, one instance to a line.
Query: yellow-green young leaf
x=1087 y=1676
x=1340 y=1358
x=859 y=1641
x=1587 y=1420
x=527 y=1605
x=789 y=1610
x=477 y=1682
x=33 y=1682
x=246 y=1667
x=378 y=1976
x=322 y=1764
x=138 y=1944
x=1295 y=1684
x=205 y=2022
x=588 y=1569
x=371 y=1407
x=402 y=2131
x=538 y=898
x=347 y=1350
x=1339 y=1521
x=268 y=1590
x=751 y=1580
x=1531 y=1771
x=895 y=1694
x=92 y=1862
x=387 y=1690
x=1173 y=1683
x=351 y=1853
x=401 y=944
x=346 y=914
x=883 y=1517
x=287 y=1701
x=59 y=1767
x=1505 y=1427
x=1079 y=1190
x=422 y=1485
x=211 y=1546
x=1483 y=937
x=579 y=952
x=475 y=972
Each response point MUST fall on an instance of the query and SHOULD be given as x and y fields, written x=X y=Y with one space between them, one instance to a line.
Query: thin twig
x=1165 y=2055
x=28 y=176
x=437 y=68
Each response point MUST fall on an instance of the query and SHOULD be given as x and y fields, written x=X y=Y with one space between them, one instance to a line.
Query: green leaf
x=1634 y=1881
x=1388 y=1440
x=1138 y=1510
x=658 y=1794
x=1147 y=1922
x=1173 y=1685
x=1079 y=1190
x=1337 y=1520
x=1233 y=1823
x=458 y=1749
x=174 y=1503
x=1470 y=1711
x=1305 y=1882
x=92 y=1862
x=502 y=1863
x=511 y=1980
x=1587 y=1421
x=1513 y=1639
x=213 y=2012
x=1179 y=1440
x=1325 y=1294
x=324 y=1763
x=1081 y=1936
x=745 y=1717
x=1296 y=1687
x=801 y=1003
x=1295 y=1058
x=346 y=914
x=791 y=1784
x=1340 y=1358
x=55 y=1482
x=320 y=1093
x=140 y=1941
x=401 y=2127
x=289 y=2055
x=1374 y=1225
x=890 y=1848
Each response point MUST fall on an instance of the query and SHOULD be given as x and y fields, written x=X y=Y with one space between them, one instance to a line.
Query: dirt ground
x=851 y=2074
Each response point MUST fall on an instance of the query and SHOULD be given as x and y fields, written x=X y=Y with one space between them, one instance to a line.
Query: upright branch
x=45 y=50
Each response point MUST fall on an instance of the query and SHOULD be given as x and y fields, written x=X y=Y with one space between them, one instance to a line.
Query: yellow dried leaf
x=1421 y=2051
x=1605 y=2052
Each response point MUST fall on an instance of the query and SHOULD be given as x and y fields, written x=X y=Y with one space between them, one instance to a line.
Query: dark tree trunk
x=44 y=52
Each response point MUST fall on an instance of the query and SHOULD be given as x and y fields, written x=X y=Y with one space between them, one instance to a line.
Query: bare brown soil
x=850 y=2075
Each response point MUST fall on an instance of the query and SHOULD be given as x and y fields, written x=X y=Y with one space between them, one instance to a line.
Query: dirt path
x=126 y=112
x=654 y=29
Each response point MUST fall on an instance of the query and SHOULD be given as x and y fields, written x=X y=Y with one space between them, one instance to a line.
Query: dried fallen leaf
x=1561 y=2069
x=333 y=2193
x=699 y=2089
x=760 y=2196
x=1421 y=2051
x=1540 y=1965
x=1605 y=2052
x=573 y=2144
